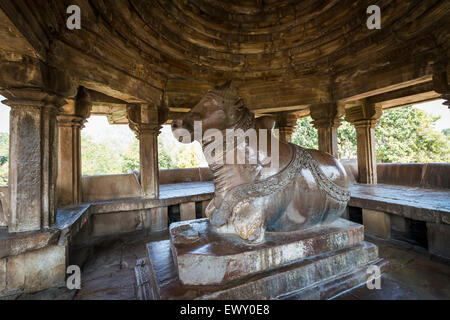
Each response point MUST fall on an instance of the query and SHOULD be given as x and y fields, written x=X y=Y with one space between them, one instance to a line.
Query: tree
x=165 y=161
x=130 y=158
x=346 y=135
x=305 y=135
x=99 y=158
x=4 y=157
x=403 y=135
x=407 y=135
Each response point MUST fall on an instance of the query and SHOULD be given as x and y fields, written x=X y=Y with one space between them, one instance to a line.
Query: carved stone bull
x=306 y=189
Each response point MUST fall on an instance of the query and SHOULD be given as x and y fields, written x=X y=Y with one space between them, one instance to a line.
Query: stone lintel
x=204 y=257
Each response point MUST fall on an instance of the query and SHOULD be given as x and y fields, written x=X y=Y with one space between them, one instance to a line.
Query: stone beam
x=98 y=76
x=13 y=42
x=406 y=96
x=25 y=33
x=353 y=87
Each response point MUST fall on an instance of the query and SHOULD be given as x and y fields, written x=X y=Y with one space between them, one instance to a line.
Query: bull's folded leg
x=249 y=223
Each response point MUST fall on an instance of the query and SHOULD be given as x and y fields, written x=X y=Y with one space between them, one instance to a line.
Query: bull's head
x=220 y=108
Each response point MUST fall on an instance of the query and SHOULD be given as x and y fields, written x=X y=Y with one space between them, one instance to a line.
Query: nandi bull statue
x=306 y=189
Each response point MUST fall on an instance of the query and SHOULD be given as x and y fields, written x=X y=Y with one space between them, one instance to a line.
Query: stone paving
x=109 y=274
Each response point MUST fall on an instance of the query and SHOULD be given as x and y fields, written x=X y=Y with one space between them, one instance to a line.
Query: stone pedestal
x=197 y=263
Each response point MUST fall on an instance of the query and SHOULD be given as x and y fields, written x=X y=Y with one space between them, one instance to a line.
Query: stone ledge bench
x=37 y=260
x=407 y=194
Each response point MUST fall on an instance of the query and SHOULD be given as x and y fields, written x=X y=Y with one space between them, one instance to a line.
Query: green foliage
x=305 y=134
x=346 y=135
x=403 y=135
x=407 y=135
x=4 y=156
x=99 y=157
x=165 y=161
x=130 y=158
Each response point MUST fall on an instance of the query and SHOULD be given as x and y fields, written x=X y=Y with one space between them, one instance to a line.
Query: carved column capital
x=326 y=115
x=285 y=123
x=326 y=119
x=143 y=118
x=76 y=111
x=363 y=114
x=23 y=98
x=68 y=120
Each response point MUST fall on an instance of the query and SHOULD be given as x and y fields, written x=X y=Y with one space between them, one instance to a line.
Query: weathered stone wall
x=185 y=175
x=121 y=186
x=426 y=175
x=110 y=187
x=33 y=271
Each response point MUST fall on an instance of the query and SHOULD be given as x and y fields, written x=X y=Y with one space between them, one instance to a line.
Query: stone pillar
x=286 y=123
x=187 y=211
x=364 y=117
x=326 y=119
x=70 y=122
x=159 y=219
x=143 y=120
x=33 y=159
x=377 y=223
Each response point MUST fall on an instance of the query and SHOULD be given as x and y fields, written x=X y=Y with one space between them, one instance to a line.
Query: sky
x=99 y=128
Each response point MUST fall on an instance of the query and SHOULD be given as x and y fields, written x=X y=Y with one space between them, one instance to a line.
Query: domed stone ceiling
x=281 y=53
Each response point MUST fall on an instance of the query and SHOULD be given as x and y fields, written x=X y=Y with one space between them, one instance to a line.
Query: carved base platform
x=197 y=263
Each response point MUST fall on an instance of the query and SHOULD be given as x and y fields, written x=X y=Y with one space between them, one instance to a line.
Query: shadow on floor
x=109 y=274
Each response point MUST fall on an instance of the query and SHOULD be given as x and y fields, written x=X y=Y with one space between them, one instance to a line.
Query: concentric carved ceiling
x=281 y=52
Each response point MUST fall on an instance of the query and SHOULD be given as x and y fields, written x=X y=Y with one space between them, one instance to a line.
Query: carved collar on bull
x=308 y=189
